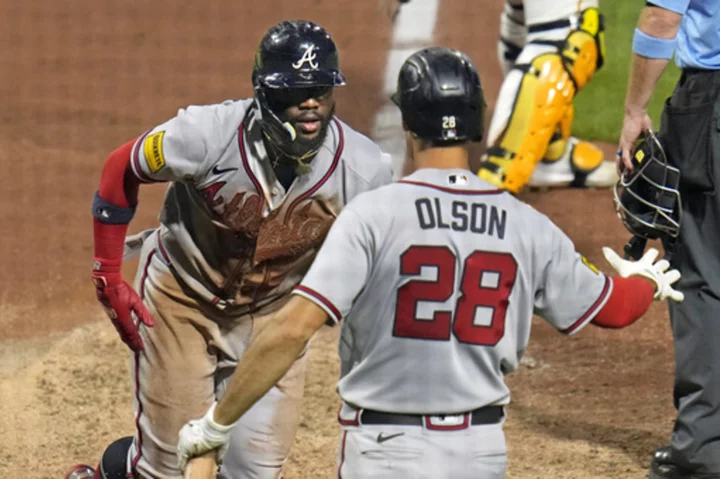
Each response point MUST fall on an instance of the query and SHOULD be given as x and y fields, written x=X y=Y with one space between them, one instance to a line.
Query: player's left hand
x=647 y=268
x=200 y=436
x=634 y=124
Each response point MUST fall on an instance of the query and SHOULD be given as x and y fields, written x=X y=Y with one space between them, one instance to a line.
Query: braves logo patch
x=304 y=230
x=308 y=57
x=153 y=149
x=244 y=214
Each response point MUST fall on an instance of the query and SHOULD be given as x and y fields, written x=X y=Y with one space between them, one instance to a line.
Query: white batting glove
x=647 y=268
x=200 y=436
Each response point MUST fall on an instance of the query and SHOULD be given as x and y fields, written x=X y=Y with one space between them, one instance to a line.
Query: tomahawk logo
x=308 y=57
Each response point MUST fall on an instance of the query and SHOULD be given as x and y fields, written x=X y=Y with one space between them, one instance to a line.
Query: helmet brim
x=302 y=79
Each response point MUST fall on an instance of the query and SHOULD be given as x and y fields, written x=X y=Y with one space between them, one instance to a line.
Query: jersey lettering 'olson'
x=476 y=217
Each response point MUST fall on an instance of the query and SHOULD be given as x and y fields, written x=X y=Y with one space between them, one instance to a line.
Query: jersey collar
x=451 y=179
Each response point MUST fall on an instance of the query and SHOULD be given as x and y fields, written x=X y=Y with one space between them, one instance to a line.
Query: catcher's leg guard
x=580 y=165
x=513 y=34
x=543 y=97
x=556 y=147
x=569 y=161
x=543 y=90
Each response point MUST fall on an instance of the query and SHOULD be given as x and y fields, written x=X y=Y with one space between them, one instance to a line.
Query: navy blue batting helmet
x=297 y=54
x=440 y=96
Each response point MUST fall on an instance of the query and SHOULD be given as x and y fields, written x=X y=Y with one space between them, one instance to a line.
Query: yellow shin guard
x=543 y=105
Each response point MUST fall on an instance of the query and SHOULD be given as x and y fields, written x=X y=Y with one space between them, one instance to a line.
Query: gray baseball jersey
x=438 y=277
x=230 y=229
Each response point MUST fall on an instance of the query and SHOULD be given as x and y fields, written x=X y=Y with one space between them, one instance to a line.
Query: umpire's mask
x=647 y=199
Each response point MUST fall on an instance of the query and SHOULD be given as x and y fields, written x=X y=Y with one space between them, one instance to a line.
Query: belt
x=700 y=70
x=481 y=416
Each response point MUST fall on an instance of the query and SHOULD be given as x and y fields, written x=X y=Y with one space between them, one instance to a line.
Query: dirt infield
x=82 y=80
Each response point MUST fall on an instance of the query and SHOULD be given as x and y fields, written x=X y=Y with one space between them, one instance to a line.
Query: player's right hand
x=200 y=436
x=120 y=302
x=647 y=268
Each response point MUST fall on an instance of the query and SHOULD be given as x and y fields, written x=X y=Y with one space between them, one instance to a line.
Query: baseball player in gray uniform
x=436 y=294
x=255 y=187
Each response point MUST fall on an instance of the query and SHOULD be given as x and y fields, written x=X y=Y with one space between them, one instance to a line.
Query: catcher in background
x=548 y=50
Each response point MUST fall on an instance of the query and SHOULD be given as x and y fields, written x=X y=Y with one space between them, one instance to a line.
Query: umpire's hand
x=634 y=124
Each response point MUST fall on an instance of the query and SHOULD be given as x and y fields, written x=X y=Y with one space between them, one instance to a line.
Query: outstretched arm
x=629 y=301
x=337 y=276
x=638 y=283
x=269 y=357
x=572 y=292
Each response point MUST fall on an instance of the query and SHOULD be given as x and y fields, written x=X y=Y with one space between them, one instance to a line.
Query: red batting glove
x=120 y=300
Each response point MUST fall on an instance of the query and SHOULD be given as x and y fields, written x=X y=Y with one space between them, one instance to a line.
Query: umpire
x=690 y=132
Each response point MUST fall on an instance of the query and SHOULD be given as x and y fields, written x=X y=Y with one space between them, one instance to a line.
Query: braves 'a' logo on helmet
x=308 y=57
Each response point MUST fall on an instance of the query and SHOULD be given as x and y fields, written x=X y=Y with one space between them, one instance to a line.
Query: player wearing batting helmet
x=436 y=295
x=255 y=185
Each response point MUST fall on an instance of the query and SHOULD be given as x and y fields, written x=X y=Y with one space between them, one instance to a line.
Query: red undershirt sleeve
x=118 y=186
x=629 y=301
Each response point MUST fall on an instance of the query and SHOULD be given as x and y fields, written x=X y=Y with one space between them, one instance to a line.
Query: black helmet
x=292 y=54
x=647 y=199
x=440 y=96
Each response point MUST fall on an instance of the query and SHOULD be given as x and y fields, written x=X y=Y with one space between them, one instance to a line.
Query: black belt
x=481 y=416
x=687 y=72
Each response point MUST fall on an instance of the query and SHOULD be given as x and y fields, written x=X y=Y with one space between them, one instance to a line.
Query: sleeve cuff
x=592 y=310
x=672 y=5
x=320 y=300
